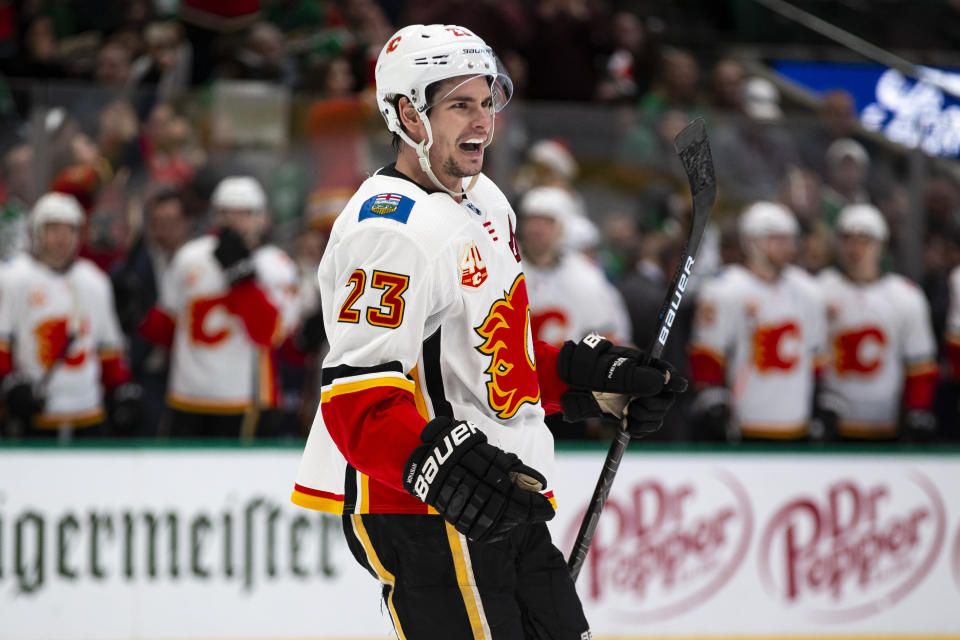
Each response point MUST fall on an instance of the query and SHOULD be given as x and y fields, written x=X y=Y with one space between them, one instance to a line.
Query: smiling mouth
x=472 y=146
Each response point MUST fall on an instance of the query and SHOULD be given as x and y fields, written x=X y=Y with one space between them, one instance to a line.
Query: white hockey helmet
x=54 y=207
x=766 y=218
x=420 y=55
x=549 y=202
x=864 y=219
x=239 y=192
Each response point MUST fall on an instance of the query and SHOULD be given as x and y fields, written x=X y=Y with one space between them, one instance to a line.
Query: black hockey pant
x=437 y=584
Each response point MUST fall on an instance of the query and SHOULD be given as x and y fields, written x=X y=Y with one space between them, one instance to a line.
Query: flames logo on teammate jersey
x=768 y=346
x=849 y=348
x=51 y=337
x=513 y=370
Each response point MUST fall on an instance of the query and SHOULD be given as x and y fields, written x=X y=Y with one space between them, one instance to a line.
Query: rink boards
x=202 y=542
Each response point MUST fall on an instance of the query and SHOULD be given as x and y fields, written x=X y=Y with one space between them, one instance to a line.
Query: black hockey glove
x=919 y=426
x=21 y=397
x=711 y=414
x=234 y=256
x=480 y=489
x=828 y=406
x=126 y=408
x=612 y=380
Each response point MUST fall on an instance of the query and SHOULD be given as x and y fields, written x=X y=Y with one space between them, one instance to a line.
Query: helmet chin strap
x=423 y=155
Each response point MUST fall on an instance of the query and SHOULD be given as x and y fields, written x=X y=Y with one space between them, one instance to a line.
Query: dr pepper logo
x=854 y=548
x=664 y=548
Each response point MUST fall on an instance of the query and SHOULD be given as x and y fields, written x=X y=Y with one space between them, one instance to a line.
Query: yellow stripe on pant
x=385 y=576
x=468 y=584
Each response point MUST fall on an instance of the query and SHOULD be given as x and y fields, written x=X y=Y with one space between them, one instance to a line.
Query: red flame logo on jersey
x=767 y=342
x=513 y=371
x=51 y=337
x=847 y=350
x=550 y=326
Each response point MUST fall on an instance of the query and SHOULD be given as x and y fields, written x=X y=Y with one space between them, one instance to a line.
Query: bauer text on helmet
x=419 y=56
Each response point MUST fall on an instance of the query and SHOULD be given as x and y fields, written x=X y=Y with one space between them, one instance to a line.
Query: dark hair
x=163 y=194
x=431 y=93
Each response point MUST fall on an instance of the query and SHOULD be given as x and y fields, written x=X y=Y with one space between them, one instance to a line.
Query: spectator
x=757 y=334
x=18 y=185
x=226 y=302
x=754 y=153
x=629 y=71
x=848 y=167
x=163 y=73
x=137 y=281
x=61 y=348
x=727 y=86
x=40 y=57
x=562 y=52
x=836 y=119
x=678 y=87
x=883 y=371
x=264 y=57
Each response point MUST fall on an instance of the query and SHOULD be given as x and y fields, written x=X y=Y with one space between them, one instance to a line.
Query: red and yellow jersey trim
x=363 y=383
x=317 y=500
x=75 y=419
x=924 y=368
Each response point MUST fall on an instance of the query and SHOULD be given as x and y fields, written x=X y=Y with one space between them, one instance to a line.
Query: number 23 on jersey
x=389 y=313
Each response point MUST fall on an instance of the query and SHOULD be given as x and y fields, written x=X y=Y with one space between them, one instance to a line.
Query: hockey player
x=61 y=350
x=569 y=295
x=882 y=366
x=430 y=439
x=226 y=302
x=758 y=330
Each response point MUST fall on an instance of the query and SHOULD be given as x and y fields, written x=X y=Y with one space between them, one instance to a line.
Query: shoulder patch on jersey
x=392 y=206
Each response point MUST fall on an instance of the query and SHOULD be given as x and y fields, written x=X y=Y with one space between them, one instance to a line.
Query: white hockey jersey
x=572 y=299
x=423 y=298
x=39 y=308
x=215 y=366
x=878 y=334
x=766 y=337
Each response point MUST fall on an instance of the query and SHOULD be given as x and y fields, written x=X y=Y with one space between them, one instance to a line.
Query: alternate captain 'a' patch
x=387 y=205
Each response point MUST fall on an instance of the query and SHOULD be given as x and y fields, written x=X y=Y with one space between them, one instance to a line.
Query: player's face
x=539 y=235
x=461 y=123
x=859 y=250
x=248 y=223
x=779 y=250
x=59 y=244
x=167 y=225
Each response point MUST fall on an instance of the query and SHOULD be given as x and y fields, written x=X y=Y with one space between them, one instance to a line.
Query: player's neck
x=543 y=260
x=765 y=271
x=863 y=274
x=409 y=165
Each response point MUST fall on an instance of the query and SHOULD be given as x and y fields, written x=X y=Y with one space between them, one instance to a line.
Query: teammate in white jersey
x=430 y=439
x=882 y=364
x=226 y=302
x=61 y=350
x=569 y=295
x=758 y=331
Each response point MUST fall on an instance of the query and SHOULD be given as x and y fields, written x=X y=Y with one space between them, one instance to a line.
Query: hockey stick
x=693 y=147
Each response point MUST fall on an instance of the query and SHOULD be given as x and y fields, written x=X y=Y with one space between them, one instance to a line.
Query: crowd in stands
x=139 y=110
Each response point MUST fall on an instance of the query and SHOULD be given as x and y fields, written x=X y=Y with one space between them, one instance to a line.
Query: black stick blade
x=693 y=146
